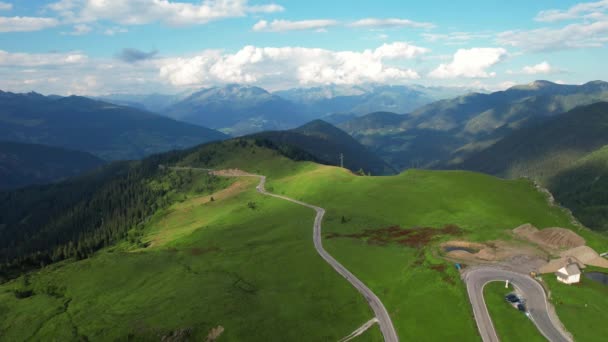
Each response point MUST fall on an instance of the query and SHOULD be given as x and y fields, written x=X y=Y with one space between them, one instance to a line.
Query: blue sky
x=140 y=46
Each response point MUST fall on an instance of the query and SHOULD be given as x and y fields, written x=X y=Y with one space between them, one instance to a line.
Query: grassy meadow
x=247 y=262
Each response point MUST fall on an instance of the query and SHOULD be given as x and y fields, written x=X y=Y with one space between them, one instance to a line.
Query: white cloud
x=286 y=25
x=391 y=22
x=75 y=73
x=540 y=68
x=114 y=30
x=40 y=59
x=579 y=35
x=26 y=24
x=586 y=10
x=79 y=30
x=470 y=63
x=454 y=38
x=4 y=6
x=399 y=50
x=590 y=29
x=292 y=66
x=138 y=12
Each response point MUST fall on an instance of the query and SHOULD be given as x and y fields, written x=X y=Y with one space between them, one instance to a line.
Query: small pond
x=459 y=248
x=600 y=277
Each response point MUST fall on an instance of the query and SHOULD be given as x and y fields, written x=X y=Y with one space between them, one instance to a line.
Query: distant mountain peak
x=596 y=82
x=538 y=84
x=231 y=92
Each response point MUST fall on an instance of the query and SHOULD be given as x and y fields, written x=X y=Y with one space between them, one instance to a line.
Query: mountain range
x=106 y=130
x=364 y=99
x=447 y=131
x=566 y=153
x=240 y=109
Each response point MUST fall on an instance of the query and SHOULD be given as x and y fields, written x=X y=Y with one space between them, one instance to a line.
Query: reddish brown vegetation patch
x=410 y=237
x=439 y=268
x=442 y=268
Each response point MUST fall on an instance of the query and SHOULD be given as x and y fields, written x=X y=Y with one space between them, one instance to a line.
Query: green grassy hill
x=228 y=256
x=26 y=164
x=565 y=153
x=108 y=131
x=326 y=143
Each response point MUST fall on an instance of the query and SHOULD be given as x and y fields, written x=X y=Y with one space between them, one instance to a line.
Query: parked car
x=512 y=298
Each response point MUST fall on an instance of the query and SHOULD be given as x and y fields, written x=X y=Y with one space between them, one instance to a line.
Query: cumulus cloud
x=26 y=24
x=579 y=35
x=286 y=25
x=4 y=6
x=586 y=10
x=470 y=63
x=390 y=22
x=398 y=50
x=138 y=12
x=540 y=68
x=130 y=55
x=292 y=66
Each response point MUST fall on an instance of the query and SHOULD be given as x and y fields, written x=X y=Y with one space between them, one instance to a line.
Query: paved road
x=384 y=320
x=536 y=302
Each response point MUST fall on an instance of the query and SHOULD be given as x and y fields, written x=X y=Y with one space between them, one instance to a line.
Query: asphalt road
x=536 y=303
x=384 y=320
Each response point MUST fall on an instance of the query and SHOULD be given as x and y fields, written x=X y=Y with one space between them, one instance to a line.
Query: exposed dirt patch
x=234 y=189
x=522 y=258
x=582 y=255
x=231 y=173
x=549 y=238
x=215 y=333
x=410 y=237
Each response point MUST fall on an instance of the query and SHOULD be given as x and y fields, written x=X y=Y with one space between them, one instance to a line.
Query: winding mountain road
x=536 y=302
x=384 y=320
x=382 y=316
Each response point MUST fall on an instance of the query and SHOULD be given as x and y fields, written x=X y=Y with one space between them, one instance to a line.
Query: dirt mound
x=582 y=255
x=586 y=255
x=491 y=251
x=552 y=238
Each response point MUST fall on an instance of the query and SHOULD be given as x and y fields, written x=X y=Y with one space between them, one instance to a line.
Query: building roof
x=572 y=269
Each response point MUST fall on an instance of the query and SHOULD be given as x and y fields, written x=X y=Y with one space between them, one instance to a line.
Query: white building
x=569 y=274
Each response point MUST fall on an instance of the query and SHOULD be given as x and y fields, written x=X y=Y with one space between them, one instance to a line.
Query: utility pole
x=342 y=160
